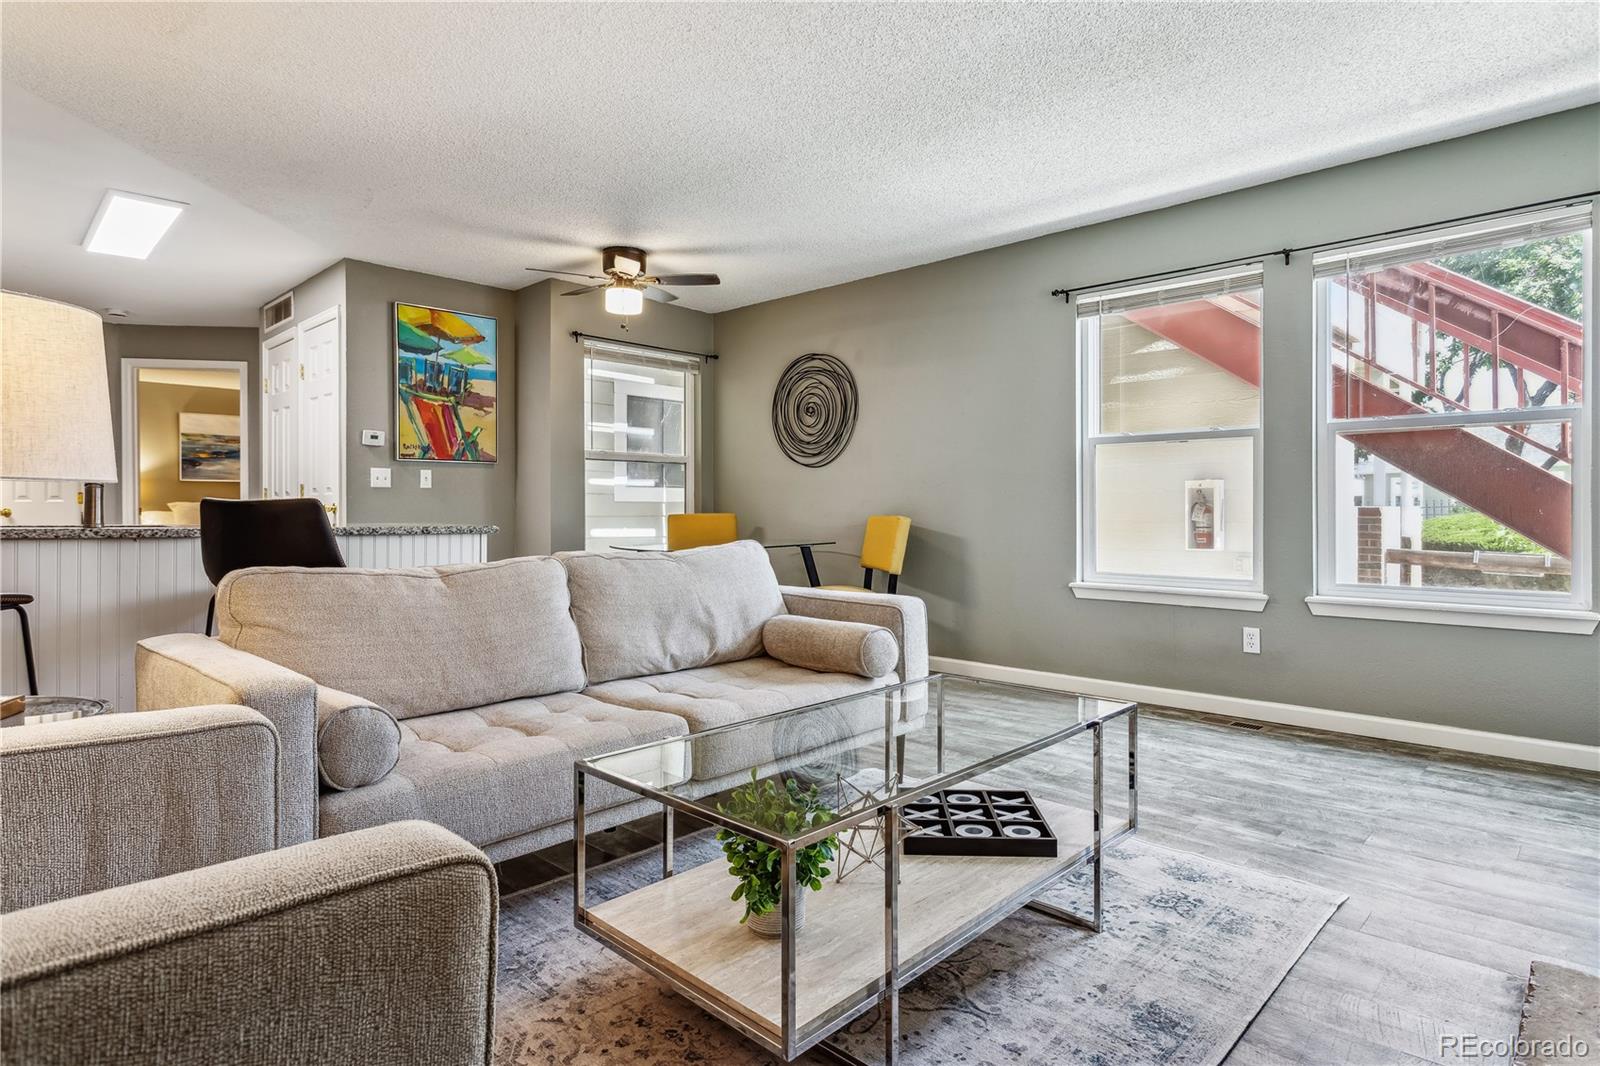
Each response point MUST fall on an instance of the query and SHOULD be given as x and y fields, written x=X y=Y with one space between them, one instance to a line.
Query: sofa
x=149 y=916
x=462 y=695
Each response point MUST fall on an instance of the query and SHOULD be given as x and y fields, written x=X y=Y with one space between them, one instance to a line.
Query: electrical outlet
x=379 y=477
x=425 y=478
x=1252 y=640
x=372 y=438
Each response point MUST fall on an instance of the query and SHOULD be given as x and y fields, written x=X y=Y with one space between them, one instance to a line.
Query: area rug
x=1190 y=951
x=1560 y=1017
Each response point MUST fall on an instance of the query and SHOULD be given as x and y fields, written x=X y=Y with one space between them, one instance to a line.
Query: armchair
x=148 y=919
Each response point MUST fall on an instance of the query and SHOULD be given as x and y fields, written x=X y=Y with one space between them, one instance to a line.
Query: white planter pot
x=770 y=924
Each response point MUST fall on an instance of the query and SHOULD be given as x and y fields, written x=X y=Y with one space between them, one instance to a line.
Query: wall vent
x=277 y=312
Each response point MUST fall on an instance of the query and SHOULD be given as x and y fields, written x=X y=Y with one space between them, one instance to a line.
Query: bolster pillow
x=830 y=646
x=358 y=742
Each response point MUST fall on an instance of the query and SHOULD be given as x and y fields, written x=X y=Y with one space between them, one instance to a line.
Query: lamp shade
x=55 y=401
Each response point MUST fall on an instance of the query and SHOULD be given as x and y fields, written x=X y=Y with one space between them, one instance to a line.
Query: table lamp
x=55 y=400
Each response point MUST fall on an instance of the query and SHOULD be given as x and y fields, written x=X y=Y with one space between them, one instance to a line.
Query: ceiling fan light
x=624 y=300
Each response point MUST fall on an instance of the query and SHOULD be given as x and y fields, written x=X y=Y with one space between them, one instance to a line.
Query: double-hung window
x=1455 y=425
x=1170 y=442
x=639 y=434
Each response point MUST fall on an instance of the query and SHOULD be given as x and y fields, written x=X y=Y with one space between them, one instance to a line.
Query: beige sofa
x=148 y=918
x=462 y=695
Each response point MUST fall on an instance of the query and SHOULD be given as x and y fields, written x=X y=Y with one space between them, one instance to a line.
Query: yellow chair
x=882 y=548
x=700 y=530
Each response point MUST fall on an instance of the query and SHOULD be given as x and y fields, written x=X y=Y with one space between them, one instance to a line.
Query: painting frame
x=444 y=401
x=210 y=447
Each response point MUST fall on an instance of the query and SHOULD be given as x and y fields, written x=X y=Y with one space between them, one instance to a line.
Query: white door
x=40 y=503
x=280 y=432
x=321 y=411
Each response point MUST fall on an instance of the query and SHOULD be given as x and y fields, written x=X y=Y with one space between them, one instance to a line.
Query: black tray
x=932 y=824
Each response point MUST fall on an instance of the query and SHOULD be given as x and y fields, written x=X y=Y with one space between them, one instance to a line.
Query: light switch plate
x=372 y=437
x=380 y=477
x=425 y=478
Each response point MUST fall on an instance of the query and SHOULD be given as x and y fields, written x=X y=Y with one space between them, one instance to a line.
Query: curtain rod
x=1066 y=294
x=580 y=337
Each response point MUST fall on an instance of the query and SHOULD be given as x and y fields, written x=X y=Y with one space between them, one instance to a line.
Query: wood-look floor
x=1460 y=870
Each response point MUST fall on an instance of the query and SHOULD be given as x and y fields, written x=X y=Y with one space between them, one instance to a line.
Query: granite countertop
x=398 y=529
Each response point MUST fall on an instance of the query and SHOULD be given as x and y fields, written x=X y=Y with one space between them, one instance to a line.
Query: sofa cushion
x=652 y=613
x=712 y=696
x=358 y=742
x=496 y=772
x=831 y=647
x=416 y=641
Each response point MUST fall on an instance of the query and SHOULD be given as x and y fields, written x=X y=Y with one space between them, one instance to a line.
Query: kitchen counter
x=393 y=529
x=97 y=592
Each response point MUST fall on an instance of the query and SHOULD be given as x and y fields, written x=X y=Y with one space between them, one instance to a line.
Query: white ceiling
x=785 y=146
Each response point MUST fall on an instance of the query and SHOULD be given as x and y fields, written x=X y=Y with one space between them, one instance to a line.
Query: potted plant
x=783 y=808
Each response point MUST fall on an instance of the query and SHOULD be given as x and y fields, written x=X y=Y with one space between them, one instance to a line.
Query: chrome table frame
x=797 y=1040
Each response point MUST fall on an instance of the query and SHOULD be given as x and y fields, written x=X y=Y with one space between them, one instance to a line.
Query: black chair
x=14 y=601
x=235 y=534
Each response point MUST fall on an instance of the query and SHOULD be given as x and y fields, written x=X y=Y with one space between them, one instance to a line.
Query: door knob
x=332 y=508
x=5 y=512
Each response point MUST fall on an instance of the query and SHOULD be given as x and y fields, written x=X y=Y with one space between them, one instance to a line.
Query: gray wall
x=235 y=344
x=550 y=485
x=967 y=424
x=461 y=492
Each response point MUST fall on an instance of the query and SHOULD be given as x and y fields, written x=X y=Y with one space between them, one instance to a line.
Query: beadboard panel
x=93 y=600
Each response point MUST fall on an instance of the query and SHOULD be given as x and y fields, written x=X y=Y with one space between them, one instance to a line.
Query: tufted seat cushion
x=711 y=696
x=498 y=771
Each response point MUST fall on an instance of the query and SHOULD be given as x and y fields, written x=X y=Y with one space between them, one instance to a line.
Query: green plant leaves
x=786 y=808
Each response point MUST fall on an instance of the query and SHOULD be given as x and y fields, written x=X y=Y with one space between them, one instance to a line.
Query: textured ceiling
x=786 y=147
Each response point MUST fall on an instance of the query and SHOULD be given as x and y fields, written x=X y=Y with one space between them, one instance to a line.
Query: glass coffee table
x=934 y=767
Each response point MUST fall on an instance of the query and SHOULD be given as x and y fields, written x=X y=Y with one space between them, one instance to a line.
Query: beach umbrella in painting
x=444 y=325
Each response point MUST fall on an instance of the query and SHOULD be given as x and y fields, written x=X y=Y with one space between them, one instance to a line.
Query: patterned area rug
x=1190 y=951
x=1560 y=1017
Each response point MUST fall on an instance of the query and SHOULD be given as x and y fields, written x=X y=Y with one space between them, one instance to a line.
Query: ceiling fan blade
x=660 y=296
x=583 y=291
x=568 y=273
x=689 y=279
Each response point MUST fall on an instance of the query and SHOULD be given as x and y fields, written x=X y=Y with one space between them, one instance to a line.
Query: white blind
x=1488 y=233
x=1177 y=289
x=642 y=354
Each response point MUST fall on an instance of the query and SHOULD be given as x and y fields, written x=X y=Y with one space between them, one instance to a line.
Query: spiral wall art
x=814 y=409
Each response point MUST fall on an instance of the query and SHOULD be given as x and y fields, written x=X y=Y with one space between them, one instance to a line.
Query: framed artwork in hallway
x=446 y=370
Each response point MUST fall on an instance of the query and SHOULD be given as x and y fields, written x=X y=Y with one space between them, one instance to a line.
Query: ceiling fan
x=625 y=282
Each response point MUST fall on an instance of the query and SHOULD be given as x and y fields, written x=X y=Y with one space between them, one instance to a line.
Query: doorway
x=185 y=436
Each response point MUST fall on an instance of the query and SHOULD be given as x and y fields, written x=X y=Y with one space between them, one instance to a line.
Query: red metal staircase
x=1520 y=495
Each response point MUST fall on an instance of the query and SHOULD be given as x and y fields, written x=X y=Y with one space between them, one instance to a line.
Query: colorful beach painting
x=208 y=447
x=445 y=381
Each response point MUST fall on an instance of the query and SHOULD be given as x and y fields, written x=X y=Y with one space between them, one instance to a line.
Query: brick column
x=1369 y=545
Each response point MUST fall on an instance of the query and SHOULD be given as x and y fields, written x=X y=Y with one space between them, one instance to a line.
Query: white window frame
x=1486 y=608
x=619 y=456
x=1095 y=584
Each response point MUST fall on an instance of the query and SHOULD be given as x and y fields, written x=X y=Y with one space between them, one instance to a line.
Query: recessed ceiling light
x=130 y=225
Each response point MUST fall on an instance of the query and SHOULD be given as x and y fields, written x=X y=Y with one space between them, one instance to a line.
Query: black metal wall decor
x=814 y=409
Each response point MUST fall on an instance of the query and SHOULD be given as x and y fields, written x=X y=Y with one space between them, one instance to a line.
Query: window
x=638 y=443
x=1170 y=442
x=1454 y=421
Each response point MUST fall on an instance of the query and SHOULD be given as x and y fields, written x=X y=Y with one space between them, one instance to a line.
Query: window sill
x=1220 y=599
x=1534 y=619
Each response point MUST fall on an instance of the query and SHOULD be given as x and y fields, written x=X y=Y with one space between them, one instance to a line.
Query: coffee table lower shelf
x=686 y=930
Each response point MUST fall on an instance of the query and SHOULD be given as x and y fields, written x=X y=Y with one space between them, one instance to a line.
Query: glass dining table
x=805 y=547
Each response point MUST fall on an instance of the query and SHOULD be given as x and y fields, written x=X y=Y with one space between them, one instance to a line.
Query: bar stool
x=235 y=534
x=14 y=601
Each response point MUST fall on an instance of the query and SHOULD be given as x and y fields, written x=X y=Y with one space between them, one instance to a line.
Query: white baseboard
x=1477 y=741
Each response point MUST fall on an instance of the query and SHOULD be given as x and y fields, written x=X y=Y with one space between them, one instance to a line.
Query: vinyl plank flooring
x=1459 y=869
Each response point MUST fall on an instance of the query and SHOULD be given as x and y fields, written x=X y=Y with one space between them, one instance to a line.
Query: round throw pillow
x=356 y=745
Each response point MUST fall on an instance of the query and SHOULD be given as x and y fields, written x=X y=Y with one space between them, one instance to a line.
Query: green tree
x=1548 y=273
